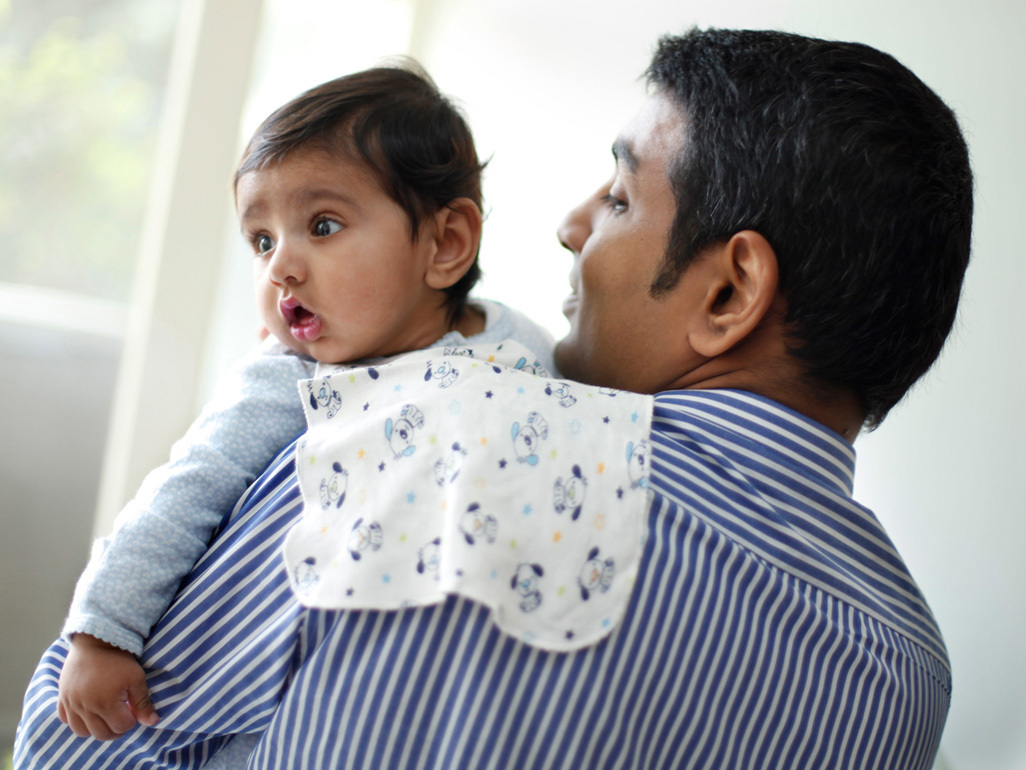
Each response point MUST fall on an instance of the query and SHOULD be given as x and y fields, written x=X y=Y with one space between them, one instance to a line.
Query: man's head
x=396 y=123
x=845 y=166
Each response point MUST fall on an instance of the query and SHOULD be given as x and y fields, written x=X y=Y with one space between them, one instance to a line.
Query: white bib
x=468 y=471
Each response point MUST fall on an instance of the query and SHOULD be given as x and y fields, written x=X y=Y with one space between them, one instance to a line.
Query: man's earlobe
x=457 y=237
x=743 y=280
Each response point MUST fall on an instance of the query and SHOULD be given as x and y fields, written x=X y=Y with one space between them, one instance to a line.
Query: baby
x=361 y=199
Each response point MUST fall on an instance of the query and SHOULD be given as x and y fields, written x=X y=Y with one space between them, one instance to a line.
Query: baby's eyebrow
x=624 y=154
x=253 y=211
x=325 y=194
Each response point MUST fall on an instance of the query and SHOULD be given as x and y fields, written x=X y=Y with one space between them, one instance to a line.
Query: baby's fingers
x=78 y=724
x=61 y=713
x=99 y=727
x=140 y=704
x=103 y=726
x=72 y=719
x=117 y=719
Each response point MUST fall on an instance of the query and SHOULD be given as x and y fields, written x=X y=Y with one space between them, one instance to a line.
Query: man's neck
x=839 y=411
x=761 y=364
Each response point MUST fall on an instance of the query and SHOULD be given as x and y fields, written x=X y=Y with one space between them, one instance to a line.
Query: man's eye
x=325 y=227
x=263 y=244
x=614 y=203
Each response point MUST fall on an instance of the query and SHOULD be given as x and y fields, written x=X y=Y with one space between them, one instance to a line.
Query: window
x=82 y=86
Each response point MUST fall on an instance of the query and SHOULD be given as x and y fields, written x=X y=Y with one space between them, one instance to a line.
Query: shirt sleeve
x=133 y=574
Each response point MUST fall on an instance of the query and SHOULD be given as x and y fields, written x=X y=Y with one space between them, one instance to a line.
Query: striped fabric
x=773 y=626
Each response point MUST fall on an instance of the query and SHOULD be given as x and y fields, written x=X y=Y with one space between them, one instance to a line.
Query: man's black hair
x=854 y=171
x=395 y=120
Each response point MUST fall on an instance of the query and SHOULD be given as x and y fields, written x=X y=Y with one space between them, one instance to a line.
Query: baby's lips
x=307 y=330
x=288 y=308
x=570 y=303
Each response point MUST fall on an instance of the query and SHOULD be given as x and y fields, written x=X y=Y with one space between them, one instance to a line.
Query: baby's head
x=362 y=201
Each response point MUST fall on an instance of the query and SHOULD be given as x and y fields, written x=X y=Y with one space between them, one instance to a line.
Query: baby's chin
x=332 y=350
x=323 y=351
x=297 y=347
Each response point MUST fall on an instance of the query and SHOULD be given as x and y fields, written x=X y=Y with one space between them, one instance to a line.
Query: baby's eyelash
x=333 y=225
x=254 y=241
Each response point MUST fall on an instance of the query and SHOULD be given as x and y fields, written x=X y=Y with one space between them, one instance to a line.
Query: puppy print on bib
x=333 y=488
x=562 y=393
x=527 y=438
x=400 y=433
x=463 y=471
x=568 y=495
x=322 y=396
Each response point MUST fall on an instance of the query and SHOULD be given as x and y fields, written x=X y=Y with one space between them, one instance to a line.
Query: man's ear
x=457 y=236
x=742 y=280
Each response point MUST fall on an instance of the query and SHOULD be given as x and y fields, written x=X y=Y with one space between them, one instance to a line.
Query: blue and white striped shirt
x=773 y=625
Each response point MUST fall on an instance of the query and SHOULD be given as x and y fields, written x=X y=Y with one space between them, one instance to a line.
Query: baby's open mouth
x=304 y=324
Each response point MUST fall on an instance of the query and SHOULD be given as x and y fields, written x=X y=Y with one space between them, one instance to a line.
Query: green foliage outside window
x=81 y=87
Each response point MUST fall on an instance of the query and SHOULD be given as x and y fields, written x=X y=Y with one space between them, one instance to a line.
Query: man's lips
x=304 y=325
x=570 y=304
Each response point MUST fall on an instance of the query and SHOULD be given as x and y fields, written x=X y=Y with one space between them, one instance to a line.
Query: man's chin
x=568 y=361
x=560 y=355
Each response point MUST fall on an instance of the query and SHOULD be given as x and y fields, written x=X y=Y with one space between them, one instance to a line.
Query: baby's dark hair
x=394 y=119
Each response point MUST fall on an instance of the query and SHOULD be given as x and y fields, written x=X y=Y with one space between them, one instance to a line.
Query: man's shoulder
x=748 y=422
x=771 y=485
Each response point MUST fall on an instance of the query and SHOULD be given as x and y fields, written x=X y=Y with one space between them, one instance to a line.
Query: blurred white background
x=546 y=85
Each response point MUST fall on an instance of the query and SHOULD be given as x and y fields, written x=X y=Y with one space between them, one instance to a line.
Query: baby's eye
x=263 y=244
x=325 y=227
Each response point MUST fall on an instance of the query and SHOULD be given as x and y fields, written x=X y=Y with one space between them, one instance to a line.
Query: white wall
x=55 y=399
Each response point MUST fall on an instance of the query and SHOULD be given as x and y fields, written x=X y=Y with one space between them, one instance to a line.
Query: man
x=777 y=258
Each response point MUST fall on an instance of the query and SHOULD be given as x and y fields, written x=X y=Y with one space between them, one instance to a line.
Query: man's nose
x=288 y=264
x=575 y=228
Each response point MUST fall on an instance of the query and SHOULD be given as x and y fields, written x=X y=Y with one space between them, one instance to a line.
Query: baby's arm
x=133 y=575
x=102 y=690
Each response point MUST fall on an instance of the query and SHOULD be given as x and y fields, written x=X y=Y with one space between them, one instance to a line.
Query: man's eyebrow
x=624 y=154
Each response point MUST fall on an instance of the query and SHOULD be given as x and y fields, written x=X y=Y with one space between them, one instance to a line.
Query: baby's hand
x=102 y=690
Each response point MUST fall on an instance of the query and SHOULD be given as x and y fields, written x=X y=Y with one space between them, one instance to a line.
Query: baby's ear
x=457 y=237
